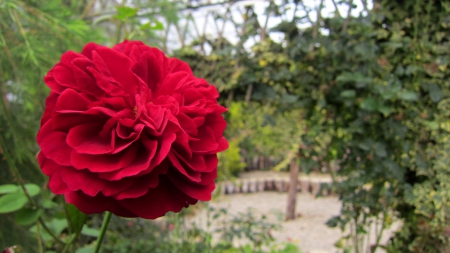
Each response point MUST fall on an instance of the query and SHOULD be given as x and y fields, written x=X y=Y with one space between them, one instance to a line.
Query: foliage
x=175 y=234
x=373 y=89
x=370 y=91
x=260 y=130
x=230 y=162
x=33 y=35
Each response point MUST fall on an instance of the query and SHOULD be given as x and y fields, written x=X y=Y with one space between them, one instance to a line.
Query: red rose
x=130 y=131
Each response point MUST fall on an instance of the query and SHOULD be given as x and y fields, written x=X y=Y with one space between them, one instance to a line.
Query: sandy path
x=308 y=231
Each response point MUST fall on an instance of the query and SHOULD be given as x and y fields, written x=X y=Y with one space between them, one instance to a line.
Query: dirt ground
x=308 y=231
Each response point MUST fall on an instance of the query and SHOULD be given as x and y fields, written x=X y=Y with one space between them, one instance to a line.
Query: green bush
x=230 y=162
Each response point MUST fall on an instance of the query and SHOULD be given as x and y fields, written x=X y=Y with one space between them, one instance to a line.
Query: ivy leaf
x=380 y=149
x=348 y=93
x=370 y=104
x=288 y=99
x=386 y=110
x=435 y=92
x=333 y=222
x=76 y=218
x=408 y=96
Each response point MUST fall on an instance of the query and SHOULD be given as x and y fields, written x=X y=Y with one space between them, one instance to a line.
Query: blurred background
x=338 y=122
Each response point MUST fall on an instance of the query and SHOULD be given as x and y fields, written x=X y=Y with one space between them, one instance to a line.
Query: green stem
x=39 y=239
x=69 y=243
x=49 y=231
x=176 y=231
x=102 y=231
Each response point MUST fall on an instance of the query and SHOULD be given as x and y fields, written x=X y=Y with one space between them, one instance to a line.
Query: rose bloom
x=130 y=131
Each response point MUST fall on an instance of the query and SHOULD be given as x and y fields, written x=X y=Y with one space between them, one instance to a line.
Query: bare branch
x=349 y=15
x=364 y=3
x=319 y=20
x=337 y=9
x=87 y=9
x=180 y=35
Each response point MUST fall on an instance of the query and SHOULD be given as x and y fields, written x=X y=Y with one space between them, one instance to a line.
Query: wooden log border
x=304 y=185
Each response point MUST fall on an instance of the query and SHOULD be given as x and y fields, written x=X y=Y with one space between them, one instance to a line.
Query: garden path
x=308 y=231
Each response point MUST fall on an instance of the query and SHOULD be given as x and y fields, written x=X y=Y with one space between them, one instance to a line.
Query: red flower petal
x=130 y=131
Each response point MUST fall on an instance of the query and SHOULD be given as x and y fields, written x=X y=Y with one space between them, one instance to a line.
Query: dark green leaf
x=46 y=203
x=386 y=110
x=370 y=104
x=380 y=149
x=365 y=144
x=76 y=218
x=333 y=222
x=28 y=216
x=435 y=92
x=288 y=99
x=348 y=93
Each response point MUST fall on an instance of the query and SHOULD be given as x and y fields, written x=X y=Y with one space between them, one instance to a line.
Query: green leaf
x=370 y=104
x=27 y=216
x=86 y=249
x=76 y=218
x=380 y=149
x=433 y=125
x=32 y=189
x=288 y=99
x=365 y=144
x=8 y=188
x=48 y=204
x=408 y=96
x=90 y=231
x=56 y=226
x=333 y=222
x=435 y=92
x=125 y=12
x=358 y=78
x=386 y=110
x=155 y=25
x=348 y=93
x=12 y=202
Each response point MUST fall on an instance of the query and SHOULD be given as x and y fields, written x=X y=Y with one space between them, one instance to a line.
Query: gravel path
x=308 y=231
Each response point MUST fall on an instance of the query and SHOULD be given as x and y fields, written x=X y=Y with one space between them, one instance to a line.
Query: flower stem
x=105 y=223
x=69 y=243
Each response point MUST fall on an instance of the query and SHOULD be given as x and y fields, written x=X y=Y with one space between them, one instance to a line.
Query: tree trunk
x=292 y=194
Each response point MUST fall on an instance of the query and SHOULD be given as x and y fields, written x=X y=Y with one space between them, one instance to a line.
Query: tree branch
x=337 y=9
x=349 y=15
